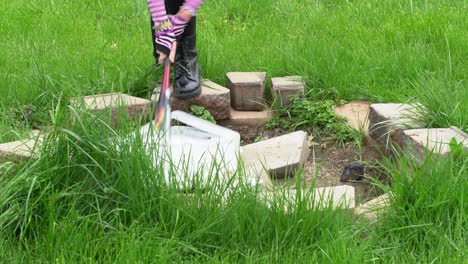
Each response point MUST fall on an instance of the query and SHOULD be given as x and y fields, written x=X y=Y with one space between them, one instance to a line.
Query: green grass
x=84 y=200
x=91 y=198
x=393 y=51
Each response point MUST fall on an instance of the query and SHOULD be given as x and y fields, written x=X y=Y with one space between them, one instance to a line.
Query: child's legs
x=173 y=6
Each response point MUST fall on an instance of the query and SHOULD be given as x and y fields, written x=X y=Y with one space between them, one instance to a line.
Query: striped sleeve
x=186 y=12
x=158 y=11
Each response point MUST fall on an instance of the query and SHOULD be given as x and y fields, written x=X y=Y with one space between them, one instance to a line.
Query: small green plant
x=201 y=112
x=304 y=112
x=457 y=148
x=259 y=138
x=342 y=133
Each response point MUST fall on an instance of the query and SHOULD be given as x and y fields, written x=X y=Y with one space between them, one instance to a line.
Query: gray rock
x=352 y=172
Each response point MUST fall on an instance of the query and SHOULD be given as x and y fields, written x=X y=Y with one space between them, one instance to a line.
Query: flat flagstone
x=255 y=174
x=418 y=142
x=386 y=121
x=284 y=88
x=214 y=98
x=19 y=150
x=134 y=107
x=247 y=90
x=369 y=211
x=342 y=196
x=356 y=115
x=337 y=196
x=247 y=118
x=280 y=156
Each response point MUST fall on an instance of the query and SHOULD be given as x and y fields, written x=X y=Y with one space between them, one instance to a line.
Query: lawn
x=82 y=201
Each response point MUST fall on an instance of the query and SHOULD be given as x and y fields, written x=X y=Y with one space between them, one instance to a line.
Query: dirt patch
x=327 y=161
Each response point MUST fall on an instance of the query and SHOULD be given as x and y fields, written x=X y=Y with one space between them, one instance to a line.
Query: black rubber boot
x=187 y=70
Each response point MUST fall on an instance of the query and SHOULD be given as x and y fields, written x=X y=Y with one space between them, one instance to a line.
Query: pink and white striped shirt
x=168 y=29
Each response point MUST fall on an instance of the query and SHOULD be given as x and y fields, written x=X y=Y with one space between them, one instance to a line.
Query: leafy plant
x=304 y=112
x=457 y=148
x=201 y=112
x=259 y=138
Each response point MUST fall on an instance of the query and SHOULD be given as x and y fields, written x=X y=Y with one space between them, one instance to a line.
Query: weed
x=304 y=112
x=457 y=148
x=201 y=112
x=259 y=138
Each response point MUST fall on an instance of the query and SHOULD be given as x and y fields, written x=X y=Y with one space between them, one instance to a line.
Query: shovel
x=162 y=119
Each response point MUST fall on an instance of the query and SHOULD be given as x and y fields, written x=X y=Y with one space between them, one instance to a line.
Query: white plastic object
x=190 y=152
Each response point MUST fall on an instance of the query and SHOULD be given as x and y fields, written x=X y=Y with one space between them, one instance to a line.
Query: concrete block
x=370 y=210
x=280 y=156
x=418 y=142
x=386 y=121
x=262 y=76
x=247 y=118
x=247 y=90
x=284 y=88
x=134 y=107
x=214 y=98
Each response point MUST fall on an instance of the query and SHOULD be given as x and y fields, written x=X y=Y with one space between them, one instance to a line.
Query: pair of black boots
x=187 y=70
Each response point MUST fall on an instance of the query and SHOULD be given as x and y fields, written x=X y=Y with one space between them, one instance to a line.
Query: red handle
x=162 y=107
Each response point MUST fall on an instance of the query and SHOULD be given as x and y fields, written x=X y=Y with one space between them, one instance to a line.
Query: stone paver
x=285 y=88
x=134 y=107
x=214 y=98
x=356 y=114
x=369 y=211
x=418 y=142
x=342 y=196
x=247 y=118
x=386 y=121
x=337 y=196
x=280 y=156
x=247 y=90
x=19 y=150
x=256 y=174
x=262 y=76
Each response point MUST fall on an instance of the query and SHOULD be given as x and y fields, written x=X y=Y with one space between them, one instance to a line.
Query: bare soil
x=327 y=161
